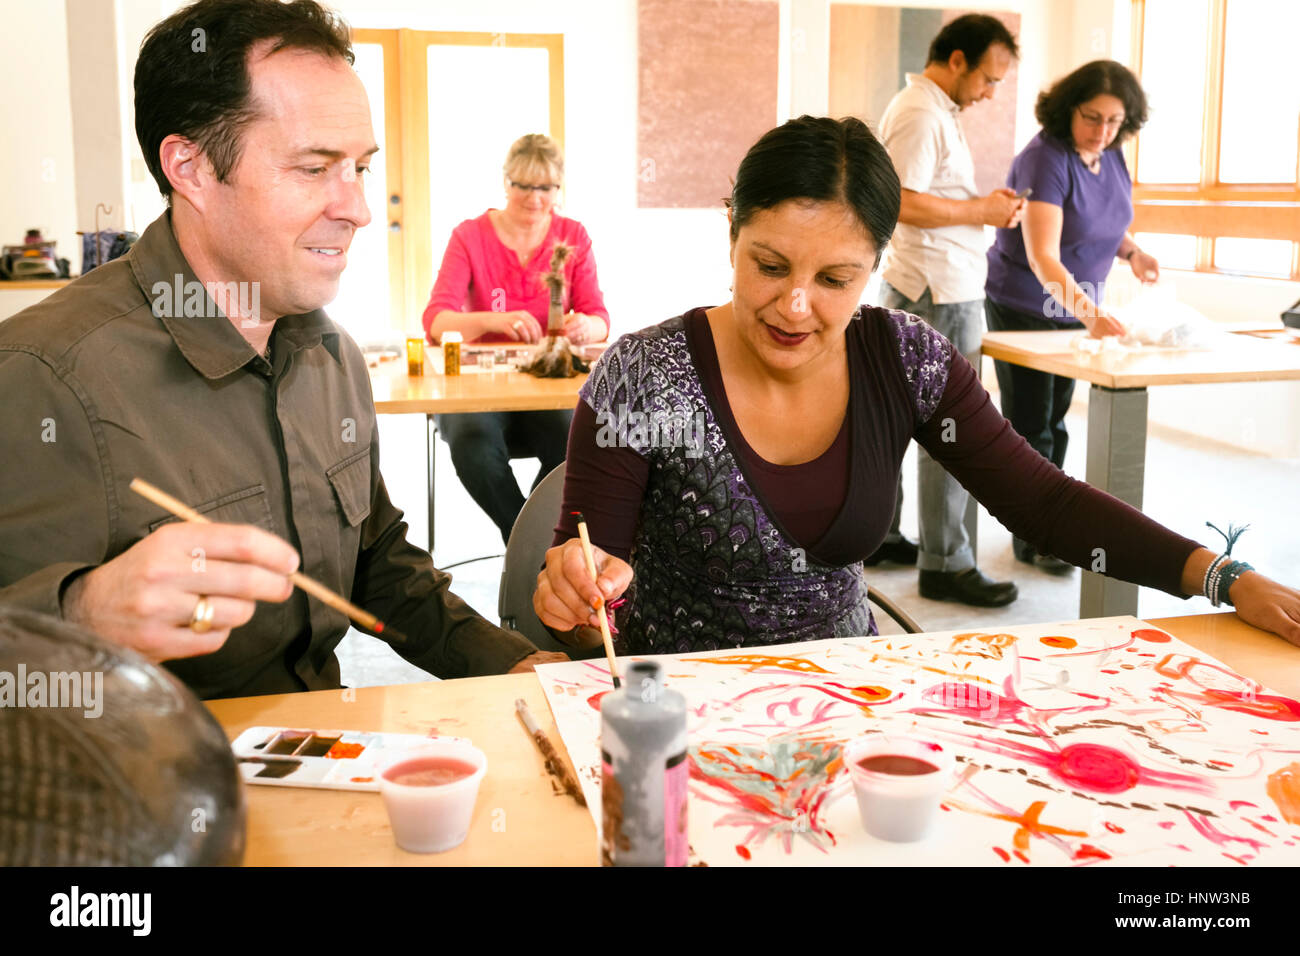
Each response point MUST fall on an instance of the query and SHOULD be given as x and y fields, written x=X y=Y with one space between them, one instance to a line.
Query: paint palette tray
x=324 y=759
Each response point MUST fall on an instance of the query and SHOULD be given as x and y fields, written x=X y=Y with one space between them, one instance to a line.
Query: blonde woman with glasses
x=490 y=289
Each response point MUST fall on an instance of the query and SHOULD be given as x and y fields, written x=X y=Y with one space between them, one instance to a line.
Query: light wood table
x=503 y=390
x=1117 y=408
x=519 y=820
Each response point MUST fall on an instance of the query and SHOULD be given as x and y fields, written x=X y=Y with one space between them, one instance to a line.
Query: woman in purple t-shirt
x=1050 y=273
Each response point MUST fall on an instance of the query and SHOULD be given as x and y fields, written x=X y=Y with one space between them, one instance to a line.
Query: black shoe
x=901 y=551
x=1025 y=552
x=967 y=587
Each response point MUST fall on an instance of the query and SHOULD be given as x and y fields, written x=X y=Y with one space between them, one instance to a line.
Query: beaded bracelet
x=1210 y=572
x=1226 y=578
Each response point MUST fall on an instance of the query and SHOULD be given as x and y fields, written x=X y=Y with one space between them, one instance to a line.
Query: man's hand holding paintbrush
x=147 y=596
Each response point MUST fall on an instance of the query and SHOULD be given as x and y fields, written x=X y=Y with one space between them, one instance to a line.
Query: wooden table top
x=1255 y=356
x=473 y=391
x=519 y=819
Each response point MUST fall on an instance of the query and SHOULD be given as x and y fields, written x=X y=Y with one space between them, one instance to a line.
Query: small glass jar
x=415 y=356
x=451 y=352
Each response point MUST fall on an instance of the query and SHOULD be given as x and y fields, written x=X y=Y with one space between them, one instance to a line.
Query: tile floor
x=1188 y=481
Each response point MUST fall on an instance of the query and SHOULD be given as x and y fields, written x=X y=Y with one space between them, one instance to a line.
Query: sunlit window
x=1269 y=257
x=1173 y=74
x=1261 y=93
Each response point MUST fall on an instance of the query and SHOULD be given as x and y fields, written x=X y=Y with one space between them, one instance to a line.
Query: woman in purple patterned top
x=736 y=464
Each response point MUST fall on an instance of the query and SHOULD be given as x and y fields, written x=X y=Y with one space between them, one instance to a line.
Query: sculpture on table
x=555 y=356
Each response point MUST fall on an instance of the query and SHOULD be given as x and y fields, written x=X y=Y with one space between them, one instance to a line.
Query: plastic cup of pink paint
x=429 y=791
x=899 y=782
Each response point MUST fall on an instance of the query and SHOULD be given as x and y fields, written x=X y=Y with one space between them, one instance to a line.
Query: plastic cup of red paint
x=899 y=782
x=429 y=791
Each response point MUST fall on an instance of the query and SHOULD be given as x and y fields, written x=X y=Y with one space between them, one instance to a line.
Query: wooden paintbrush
x=311 y=586
x=555 y=766
x=555 y=356
x=599 y=608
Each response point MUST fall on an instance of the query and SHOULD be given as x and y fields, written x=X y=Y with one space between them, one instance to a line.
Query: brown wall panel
x=707 y=90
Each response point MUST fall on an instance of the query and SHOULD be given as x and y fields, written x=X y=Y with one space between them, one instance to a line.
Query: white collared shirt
x=924 y=139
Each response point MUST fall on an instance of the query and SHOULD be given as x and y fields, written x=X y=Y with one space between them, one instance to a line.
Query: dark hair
x=825 y=160
x=1055 y=107
x=973 y=34
x=191 y=78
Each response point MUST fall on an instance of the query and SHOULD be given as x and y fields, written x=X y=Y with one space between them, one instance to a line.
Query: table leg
x=431 y=451
x=1117 y=439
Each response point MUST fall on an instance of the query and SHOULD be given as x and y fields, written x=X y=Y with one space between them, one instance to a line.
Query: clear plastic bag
x=1156 y=319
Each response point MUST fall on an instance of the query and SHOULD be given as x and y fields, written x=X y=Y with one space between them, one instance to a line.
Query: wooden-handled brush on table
x=555 y=356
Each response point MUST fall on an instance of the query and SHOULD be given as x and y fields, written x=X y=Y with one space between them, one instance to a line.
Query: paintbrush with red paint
x=599 y=605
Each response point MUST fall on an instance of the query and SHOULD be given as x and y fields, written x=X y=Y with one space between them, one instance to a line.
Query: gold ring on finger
x=201 y=619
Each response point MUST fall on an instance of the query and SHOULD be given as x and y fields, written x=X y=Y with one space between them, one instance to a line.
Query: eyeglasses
x=545 y=188
x=988 y=79
x=1096 y=122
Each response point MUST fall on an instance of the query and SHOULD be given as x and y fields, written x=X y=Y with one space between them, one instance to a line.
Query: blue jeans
x=944 y=543
x=482 y=444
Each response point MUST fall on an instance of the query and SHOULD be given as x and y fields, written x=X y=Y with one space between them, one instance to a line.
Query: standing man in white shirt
x=935 y=265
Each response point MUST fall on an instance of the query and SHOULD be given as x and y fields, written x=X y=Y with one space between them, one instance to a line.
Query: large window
x=1217 y=167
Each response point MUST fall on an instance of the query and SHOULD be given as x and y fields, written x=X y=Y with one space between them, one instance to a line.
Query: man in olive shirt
x=202 y=363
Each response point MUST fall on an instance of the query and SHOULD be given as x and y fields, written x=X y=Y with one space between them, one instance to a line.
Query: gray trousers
x=944 y=543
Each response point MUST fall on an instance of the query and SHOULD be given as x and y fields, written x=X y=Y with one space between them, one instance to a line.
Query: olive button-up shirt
x=132 y=371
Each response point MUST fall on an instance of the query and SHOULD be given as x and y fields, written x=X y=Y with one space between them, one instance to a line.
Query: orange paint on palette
x=342 y=751
x=1284 y=790
x=743 y=851
x=1151 y=635
x=1054 y=640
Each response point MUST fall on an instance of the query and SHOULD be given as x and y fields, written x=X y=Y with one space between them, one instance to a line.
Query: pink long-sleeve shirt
x=479 y=274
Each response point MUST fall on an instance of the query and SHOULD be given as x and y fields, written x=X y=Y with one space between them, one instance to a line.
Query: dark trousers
x=482 y=444
x=1034 y=402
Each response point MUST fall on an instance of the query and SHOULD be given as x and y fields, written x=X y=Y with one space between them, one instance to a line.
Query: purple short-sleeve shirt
x=1096 y=210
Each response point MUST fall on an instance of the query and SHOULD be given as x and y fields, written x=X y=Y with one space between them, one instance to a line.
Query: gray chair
x=526 y=552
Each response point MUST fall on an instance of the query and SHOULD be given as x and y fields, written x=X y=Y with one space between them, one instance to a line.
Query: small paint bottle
x=644 y=771
x=451 y=352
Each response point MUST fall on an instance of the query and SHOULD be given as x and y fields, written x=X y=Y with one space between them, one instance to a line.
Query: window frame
x=1211 y=209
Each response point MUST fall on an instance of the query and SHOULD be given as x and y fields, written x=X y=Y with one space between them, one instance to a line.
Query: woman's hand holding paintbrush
x=569 y=596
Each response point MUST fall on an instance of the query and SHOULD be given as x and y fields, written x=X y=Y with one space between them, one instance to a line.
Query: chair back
x=525 y=554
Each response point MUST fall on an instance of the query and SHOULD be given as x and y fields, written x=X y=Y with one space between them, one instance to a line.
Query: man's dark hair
x=191 y=77
x=822 y=159
x=973 y=34
x=1055 y=108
